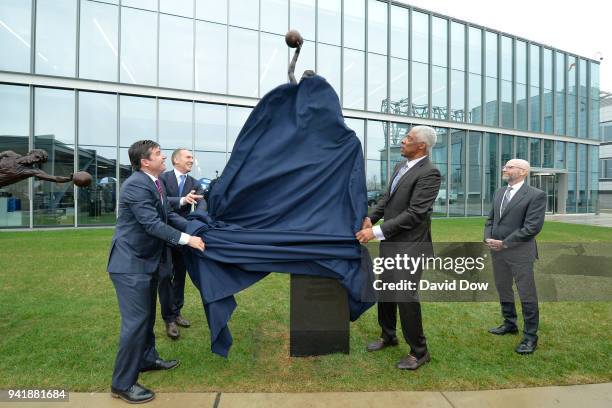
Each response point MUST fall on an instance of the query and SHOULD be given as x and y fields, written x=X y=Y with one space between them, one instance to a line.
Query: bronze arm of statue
x=15 y=167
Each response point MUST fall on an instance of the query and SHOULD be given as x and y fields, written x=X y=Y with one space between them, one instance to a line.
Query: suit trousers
x=166 y=289
x=137 y=296
x=179 y=271
x=507 y=270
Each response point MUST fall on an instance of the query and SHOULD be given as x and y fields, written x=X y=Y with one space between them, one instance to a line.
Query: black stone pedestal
x=319 y=317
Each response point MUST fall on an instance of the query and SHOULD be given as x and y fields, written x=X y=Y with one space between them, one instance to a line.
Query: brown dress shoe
x=181 y=321
x=410 y=362
x=172 y=330
x=381 y=344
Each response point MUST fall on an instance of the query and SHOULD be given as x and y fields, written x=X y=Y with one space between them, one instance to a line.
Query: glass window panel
x=594 y=179
x=456 y=197
x=439 y=157
x=534 y=99
x=210 y=127
x=559 y=155
x=474 y=176
x=521 y=107
x=571 y=157
x=329 y=65
x=522 y=147
x=354 y=24
x=207 y=165
x=475 y=98
x=211 y=57
x=506 y=58
x=534 y=64
x=535 y=153
x=353 y=79
x=491 y=169
x=399 y=32
x=583 y=101
x=177 y=7
x=420 y=90
x=329 y=21
x=549 y=151
x=377 y=27
x=175 y=63
x=521 y=62
x=491 y=103
x=571 y=115
x=377 y=141
x=274 y=16
x=559 y=113
x=236 y=117
x=357 y=125
x=376 y=166
x=242 y=62
x=399 y=87
x=571 y=71
x=175 y=124
x=97 y=119
x=137 y=119
x=14 y=135
x=54 y=132
x=99 y=40
x=15 y=38
x=458 y=46
x=438 y=93
x=560 y=72
x=397 y=131
x=547 y=66
x=507 y=108
x=548 y=111
x=138 y=47
x=272 y=66
x=594 y=119
x=377 y=82
x=491 y=54
x=420 y=37
x=594 y=80
x=439 y=41
x=582 y=178
x=56 y=37
x=302 y=17
x=144 y=4
x=212 y=10
x=507 y=149
x=244 y=13
x=475 y=50
x=457 y=102
x=97 y=202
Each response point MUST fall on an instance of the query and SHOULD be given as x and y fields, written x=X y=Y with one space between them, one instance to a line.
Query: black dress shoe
x=411 y=362
x=181 y=321
x=136 y=394
x=503 y=329
x=381 y=344
x=161 y=364
x=526 y=346
x=172 y=330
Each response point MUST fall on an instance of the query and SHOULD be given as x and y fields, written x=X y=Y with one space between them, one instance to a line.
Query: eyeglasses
x=512 y=167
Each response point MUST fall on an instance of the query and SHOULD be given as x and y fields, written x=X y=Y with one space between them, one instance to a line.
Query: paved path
x=582 y=396
x=601 y=220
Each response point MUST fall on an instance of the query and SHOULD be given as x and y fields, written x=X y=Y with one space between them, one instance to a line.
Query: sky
x=581 y=27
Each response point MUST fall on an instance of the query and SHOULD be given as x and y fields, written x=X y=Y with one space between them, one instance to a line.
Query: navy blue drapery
x=290 y=199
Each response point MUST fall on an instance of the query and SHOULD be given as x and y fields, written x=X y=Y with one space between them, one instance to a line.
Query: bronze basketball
x=81 y=178
x=294 y=39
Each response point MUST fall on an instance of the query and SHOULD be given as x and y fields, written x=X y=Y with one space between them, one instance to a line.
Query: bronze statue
x=294 y=40
x=15 y=167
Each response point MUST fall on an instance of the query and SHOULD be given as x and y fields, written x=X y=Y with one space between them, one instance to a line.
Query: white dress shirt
x=184 y=239
x=407 y=166
x=178 y=175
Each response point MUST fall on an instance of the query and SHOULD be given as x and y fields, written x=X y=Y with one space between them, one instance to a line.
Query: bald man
x=516 y=217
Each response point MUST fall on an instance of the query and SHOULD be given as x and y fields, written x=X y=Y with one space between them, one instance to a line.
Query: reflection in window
x=399 y=101
x=210 y=127
x=475 y=98
x=559 y=93
x=549 y=151
x=439 y=158
x=474 y=180
x=491 y=169
x=354 y=79
x=357 y=125
x=242 y=62
x=329 y=65
x=420 y=37
x=175 y=63
x=177 y=7
x=457 y=102
x=399 y=32
x=376 y=165
x=582 y=178
x=507 y=149
x=420 y=90
x=377 y=27
x=377 y=82
x=456 y=196
x=547 y=90
x=56 y=37
x=244 y=13
x=535 y=155
x=272 y=66
x=99 y=41
x=438 y=93
x=97 y=202
x=583 y=99
x=302 y=15
x=236 y=118
x=521 y=107
x=15 y=38
x=559 y=155
x=274 y=16
x=571 y=178
x=137 y=119
x=507 y=107
x=354 y=24
x=211 y=57
x=97 y=119
x=54 y=132
x=491 y=116
x=138 y=47
x=212 y=10
x=534 y=90
x=14 y=135
x=522 y=148
x=175 y=124
x=439 y=30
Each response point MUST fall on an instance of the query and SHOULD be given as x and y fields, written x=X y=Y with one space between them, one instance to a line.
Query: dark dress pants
x=166 y=290
x=178 y=280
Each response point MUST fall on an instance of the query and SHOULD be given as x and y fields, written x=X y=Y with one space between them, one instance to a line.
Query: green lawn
x=60 y=326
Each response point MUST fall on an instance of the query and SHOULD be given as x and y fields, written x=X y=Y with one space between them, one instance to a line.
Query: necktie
x=159 y=190
x=397 y=178
x=181 y=184
x=505 y=200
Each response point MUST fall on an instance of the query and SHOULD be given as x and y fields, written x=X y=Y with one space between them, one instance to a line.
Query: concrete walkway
x=600 y=220
x=583 y=396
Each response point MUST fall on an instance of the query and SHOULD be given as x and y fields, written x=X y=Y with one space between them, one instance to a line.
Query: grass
x=60 y=326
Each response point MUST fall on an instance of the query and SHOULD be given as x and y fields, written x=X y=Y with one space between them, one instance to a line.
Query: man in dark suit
x=183 y=192
x=516 y=217
x=406 y=208
x=138 y=253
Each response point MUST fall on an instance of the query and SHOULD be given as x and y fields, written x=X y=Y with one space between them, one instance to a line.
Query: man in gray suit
x=138 y=253
x=516 y=217
x=406 y=208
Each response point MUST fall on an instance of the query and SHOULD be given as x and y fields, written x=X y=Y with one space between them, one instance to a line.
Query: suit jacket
x=521 y=221
x=142 y=230
x=168 y=179
x=407 y=210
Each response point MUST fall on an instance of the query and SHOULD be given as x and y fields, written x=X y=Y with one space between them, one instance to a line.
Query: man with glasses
x=516 y=217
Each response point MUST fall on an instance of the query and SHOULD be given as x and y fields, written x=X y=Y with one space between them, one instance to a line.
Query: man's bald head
x=515 y=171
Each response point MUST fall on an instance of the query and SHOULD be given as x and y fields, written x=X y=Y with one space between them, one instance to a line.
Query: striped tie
x=159 y=190
x=505 y=200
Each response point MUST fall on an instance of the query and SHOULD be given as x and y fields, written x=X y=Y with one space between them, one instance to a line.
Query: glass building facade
x=83 y=79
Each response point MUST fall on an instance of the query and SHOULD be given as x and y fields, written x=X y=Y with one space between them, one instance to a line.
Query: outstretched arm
x=39 y=174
